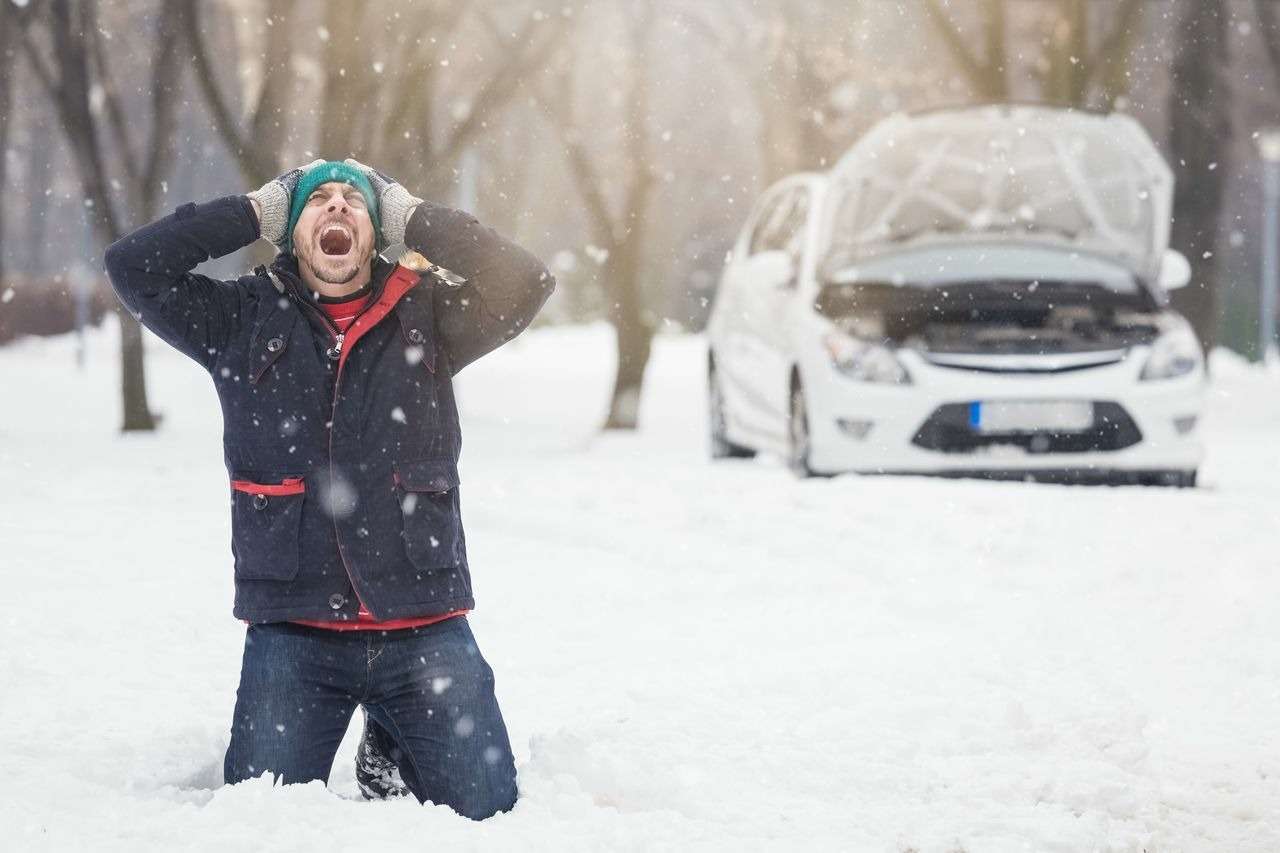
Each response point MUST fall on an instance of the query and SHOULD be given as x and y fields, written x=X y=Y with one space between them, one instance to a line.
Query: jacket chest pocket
x=268 y=344
x=416 y=330
x=428 y=494
x=265 y=523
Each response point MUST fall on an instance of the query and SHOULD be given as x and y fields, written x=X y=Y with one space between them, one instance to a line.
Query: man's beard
x=322 y=271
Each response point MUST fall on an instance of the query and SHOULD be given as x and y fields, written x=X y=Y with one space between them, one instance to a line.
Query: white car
x=977 y=292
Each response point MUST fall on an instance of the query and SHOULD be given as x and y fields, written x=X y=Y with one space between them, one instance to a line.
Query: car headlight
x=1176 y=352
x=864 y=360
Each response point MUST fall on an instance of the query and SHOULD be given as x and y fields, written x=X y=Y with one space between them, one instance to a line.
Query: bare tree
x=1199 y=133
x=1071 y=68
x=987 y=68
x=257 y=147
x=8 y=57
x=618 y=228
x=381 y=87
x=792 y=56
x=1268 y=12
x=64 y=43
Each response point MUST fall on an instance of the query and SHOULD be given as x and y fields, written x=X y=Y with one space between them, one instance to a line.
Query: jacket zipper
x=335 y=353
x=337 y=534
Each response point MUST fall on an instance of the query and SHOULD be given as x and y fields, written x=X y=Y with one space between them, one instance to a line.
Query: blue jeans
x=428 y=687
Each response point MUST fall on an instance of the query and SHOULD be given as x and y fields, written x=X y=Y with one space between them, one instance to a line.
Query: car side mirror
x=1175 y=270
x=771 y=269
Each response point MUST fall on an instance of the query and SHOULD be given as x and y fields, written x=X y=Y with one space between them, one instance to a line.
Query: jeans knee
x=481 y=808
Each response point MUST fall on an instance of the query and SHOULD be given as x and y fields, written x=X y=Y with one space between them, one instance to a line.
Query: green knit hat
x=331 y=170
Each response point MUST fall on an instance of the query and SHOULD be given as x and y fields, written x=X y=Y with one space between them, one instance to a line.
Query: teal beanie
x=323 y=174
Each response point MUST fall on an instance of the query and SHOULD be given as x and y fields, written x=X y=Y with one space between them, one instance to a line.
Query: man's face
x=334 y=235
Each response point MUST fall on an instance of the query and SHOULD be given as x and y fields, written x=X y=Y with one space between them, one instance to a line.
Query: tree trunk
x=995 y=81
x=1199 y=136
x=71 y=49
x=634 y=337
x=37 y=205
x=634 y=344
x=8 y=53
x=987 y=73
x=133 y=378
x=346 y=82
x=624 y=269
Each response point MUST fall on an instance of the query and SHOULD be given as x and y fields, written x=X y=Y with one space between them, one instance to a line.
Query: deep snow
x=689 y=655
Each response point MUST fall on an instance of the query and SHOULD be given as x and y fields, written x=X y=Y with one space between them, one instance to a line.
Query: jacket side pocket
x=427 y=490
x=265 y=523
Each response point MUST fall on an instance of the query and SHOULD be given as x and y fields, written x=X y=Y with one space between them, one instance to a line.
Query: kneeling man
x=334 y=368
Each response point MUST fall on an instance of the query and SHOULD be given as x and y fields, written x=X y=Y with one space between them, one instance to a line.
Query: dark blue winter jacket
x=342 y=460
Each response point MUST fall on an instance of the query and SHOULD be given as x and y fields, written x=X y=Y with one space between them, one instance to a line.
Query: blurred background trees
x=622 y=141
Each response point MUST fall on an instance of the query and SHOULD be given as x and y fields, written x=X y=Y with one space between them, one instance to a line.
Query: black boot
x=377 y=768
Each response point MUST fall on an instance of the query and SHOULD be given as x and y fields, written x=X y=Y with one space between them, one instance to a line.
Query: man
x=334 y=368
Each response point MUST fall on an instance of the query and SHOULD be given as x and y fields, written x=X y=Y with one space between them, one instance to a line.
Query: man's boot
x=377 y=767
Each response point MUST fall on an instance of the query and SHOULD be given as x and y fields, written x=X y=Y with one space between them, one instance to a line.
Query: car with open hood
x=978 y=291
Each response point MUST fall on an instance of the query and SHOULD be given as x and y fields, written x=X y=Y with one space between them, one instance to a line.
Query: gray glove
x=395 y=204
x=274 y=198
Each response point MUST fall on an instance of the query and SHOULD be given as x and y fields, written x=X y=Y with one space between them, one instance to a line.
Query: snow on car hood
x=1091 y=182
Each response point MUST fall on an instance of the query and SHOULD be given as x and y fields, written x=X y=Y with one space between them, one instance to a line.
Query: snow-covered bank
x=689 y=655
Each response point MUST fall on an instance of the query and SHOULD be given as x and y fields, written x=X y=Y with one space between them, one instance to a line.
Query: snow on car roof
x=1093 y=182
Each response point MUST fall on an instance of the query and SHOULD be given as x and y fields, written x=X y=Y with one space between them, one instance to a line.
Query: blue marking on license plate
x=975 y=415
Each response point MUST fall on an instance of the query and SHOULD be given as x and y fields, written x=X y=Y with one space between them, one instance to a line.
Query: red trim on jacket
x=342 y=313
x=398 y=284
x=287 y=486
x=366 y=622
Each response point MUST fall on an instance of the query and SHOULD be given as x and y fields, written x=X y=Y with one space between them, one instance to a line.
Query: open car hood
x=1089 y=182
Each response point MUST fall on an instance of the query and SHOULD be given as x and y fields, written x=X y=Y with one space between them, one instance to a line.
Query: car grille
x=948 y=430
x=1037 y=363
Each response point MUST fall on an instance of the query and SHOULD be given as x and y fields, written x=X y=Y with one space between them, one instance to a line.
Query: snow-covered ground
x=689 y=655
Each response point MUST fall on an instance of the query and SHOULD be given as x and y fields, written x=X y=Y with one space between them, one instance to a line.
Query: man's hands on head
x=394 y=202
x=271 y=202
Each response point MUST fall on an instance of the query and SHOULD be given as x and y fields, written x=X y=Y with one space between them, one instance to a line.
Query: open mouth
x=335 y=240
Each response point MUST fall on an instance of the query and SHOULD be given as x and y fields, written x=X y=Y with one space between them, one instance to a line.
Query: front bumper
x=866 y=427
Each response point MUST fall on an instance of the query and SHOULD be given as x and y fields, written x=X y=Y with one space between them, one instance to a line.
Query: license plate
x=1030 y=416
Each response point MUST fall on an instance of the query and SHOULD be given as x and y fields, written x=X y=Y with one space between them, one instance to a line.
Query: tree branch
x=115 y=110
x=558 y=108
x=954 y=38
x=1114 y=50
x=166 y=76
x=638 y=115
x=1269 y=21
x=44 y=74
x=254 y=166
x=409 y=115
x=500 y=88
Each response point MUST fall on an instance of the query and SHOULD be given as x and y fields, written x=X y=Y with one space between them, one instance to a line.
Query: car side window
x=781 y=225
x=764 y=223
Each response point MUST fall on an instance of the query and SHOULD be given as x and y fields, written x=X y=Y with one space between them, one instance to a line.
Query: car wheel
x=798 y=434
x=721 y=446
